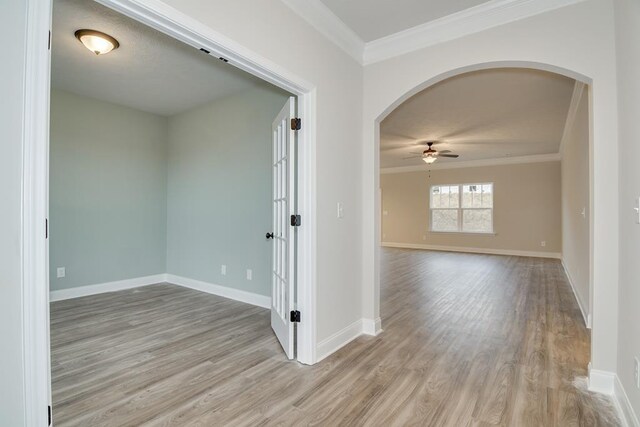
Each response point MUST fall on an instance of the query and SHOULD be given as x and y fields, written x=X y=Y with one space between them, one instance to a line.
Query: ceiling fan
x=430 y=155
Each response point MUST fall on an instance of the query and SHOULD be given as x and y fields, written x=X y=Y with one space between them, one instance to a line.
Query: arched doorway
x=603 y=207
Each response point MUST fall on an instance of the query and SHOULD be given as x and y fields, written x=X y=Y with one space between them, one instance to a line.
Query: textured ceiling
x=150 y=71
x=372 y=19
x=480 y=115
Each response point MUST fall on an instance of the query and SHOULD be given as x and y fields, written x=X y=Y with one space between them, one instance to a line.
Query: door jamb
x=35 y=266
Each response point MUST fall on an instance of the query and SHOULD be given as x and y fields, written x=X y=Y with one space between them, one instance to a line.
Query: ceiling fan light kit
x=430 y=155
x=428 y=159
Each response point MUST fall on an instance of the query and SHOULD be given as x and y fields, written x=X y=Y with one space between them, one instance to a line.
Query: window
x=465 y=208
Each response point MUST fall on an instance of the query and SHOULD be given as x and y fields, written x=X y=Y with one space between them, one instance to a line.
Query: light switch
x=637 y=209
x=340 y=210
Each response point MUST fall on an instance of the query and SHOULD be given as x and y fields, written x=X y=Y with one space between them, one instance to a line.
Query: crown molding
x=475 y=19
x=576 y=96
x=536 y=158
x=468 y=21
x=328 y=24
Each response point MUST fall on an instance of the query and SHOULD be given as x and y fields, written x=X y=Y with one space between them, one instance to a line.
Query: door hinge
x=49 y=414
x=296 y=220
x=49 y=42
x=296 y=124
x=295 y=316
x=46 y=228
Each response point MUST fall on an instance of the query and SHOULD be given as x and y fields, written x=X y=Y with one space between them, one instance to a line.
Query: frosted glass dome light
x=97 y=42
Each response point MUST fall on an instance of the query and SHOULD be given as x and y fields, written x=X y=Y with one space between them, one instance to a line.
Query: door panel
x=284 y=205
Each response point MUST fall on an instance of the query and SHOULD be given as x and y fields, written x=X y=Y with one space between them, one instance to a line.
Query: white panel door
x=284 y=205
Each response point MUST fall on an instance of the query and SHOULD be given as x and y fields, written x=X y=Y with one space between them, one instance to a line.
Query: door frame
x=167 y=20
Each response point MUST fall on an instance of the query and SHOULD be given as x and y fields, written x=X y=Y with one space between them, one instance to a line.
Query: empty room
x=485 y=233
x=163 y=185
x=320 y=212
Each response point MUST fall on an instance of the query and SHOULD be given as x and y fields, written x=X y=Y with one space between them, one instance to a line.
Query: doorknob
x=269 y=236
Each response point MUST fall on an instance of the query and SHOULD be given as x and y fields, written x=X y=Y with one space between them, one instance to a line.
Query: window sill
x=475 y=233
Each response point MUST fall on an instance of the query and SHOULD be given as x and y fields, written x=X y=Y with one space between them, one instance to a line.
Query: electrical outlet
x=223 y=270
x=543 y=243
x=61 y=272
x=424 y=237
x=385 y=213
x=249 y=274
x=636 y=371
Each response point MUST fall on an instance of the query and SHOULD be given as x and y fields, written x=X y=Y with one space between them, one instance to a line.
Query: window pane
x=435 y=197
x=477 y=196
x=477 y=220
x=444 y=220
x=454 y=196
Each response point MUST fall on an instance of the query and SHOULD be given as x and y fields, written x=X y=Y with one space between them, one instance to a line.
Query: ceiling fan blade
x=412 y=157
x=453 y=156
x=444 y=151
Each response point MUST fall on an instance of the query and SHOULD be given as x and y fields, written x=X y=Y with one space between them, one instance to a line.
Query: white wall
x=577 y=38
x=526 y=208
x=628 y=52
x=575 y=201
x=273 y=31
x=13 y=28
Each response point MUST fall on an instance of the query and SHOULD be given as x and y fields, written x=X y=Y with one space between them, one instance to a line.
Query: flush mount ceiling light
x=97 y=42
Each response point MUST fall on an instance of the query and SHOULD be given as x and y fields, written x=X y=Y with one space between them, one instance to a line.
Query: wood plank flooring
x=469 y=340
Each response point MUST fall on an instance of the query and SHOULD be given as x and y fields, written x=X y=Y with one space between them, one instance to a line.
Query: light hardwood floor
x=469 y=340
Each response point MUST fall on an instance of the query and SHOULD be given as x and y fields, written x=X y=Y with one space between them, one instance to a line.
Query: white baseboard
x=338 y=340
x=585 y=316
x=101 y=288
x=487 y=251
x=210 y=288
x=371 y=326
x=601 y=381
x=623 y=405
x=222 y=291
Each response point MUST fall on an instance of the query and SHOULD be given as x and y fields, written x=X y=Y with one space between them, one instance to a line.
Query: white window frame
x=460 y=209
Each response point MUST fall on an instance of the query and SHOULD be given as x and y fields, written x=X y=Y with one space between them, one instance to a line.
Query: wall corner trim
x=601 y=381
x=585 y=316
x=623 y=405
x=222 y=291
x=335 y=342
x=209 y=288
x=101 y=288
x=372 y=327
x=486 y=251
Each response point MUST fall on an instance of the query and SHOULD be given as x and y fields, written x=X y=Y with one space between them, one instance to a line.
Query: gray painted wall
x=134 y=194
x=12 y=29
x=219 y=192
x=108 y=173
